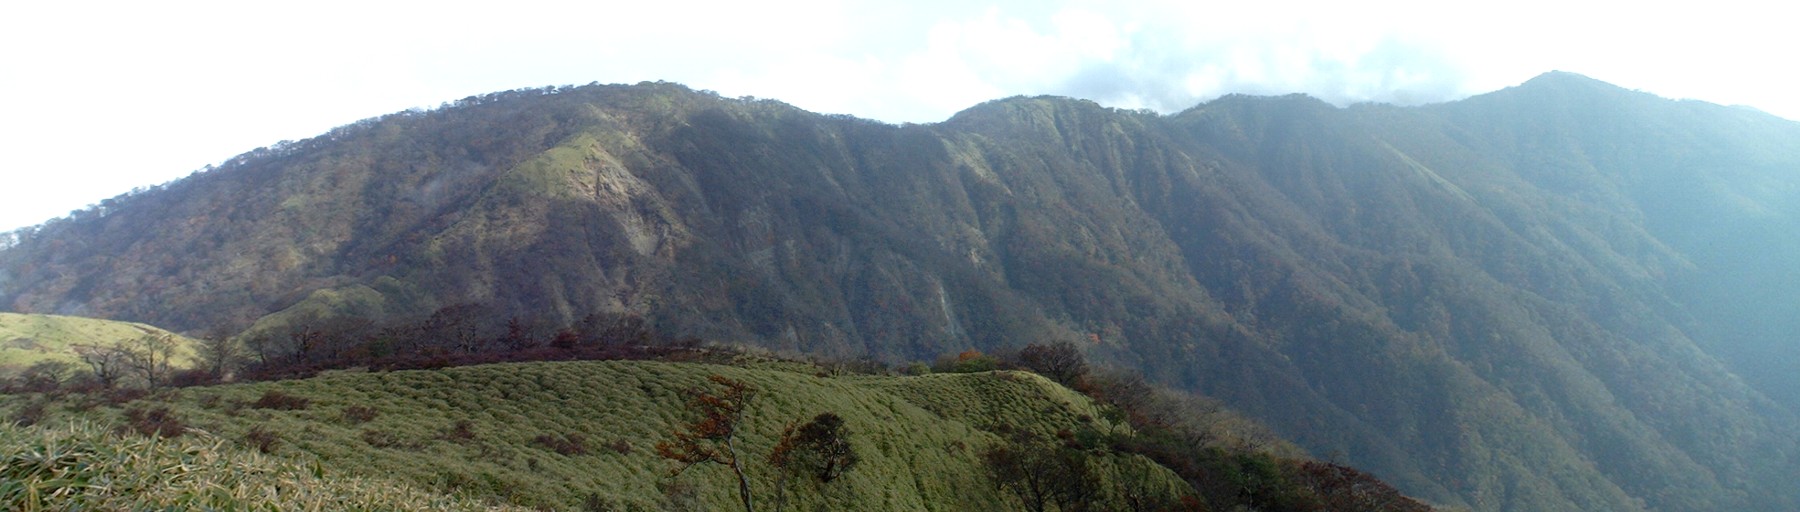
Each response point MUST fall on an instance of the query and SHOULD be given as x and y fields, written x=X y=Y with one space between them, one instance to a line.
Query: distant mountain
x=1558 y=296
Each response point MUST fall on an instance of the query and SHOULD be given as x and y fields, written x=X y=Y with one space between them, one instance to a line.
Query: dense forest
x=1558 y=296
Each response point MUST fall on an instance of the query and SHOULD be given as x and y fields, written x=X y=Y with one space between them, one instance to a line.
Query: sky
x=100 y=97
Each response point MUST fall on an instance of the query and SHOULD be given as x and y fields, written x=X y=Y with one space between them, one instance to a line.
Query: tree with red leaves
x=713 y=436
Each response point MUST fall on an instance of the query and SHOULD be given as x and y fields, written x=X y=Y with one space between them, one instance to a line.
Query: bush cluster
x=279 y=401
x=158 y=422
x=569 y=444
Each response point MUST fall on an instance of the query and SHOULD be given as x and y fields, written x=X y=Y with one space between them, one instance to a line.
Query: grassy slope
x=28 y=339
x=87 y=467
x=919 y=437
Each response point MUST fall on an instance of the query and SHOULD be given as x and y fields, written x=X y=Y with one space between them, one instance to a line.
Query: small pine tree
x=820 y=450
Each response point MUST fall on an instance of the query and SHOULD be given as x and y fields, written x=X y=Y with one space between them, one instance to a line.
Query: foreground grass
x=573 y=435
x=83 y=466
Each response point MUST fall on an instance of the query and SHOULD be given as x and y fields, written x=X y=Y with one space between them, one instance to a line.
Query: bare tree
x=149 y=355
x=1042 y=473
x=461 y=326
x=521 y=334
x=264 y=347
x=305 y=336
x=108 y=363
x=1017 y=468
x=218 y=352
x=1060 y=361
x=622 y=329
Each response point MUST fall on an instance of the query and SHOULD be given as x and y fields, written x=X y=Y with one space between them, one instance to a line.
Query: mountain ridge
x=1448 y=287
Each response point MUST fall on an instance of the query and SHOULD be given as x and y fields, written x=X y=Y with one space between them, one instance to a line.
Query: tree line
x=456 y=335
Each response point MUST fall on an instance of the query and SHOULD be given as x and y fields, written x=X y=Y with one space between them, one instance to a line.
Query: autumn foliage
x=713 y=436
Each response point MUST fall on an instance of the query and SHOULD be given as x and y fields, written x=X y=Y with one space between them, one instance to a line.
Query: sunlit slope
x=28 y=339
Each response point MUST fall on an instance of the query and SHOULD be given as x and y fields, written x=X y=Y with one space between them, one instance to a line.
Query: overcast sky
x=99 y=97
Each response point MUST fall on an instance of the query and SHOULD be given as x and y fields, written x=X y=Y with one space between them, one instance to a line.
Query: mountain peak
x=1019 y=105
x=1561 y=77
x=1556 y=90
x=1565 y=82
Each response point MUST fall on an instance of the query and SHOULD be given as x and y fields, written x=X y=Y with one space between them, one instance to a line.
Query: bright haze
x=99 y=97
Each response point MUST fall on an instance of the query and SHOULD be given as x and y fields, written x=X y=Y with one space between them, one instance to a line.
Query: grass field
x=573 y=435
x=84 y=466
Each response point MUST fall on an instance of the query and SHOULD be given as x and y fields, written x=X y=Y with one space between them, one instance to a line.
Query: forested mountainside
x=1558 y=296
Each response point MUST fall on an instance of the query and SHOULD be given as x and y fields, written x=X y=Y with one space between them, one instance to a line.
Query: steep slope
x=1556 y=337
x=1508 y=302
x=1716 y=185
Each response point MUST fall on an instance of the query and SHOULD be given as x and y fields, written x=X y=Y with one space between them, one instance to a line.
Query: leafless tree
x=218 y=352
x=107 y=363
x=149 y=356
x=1060 y=361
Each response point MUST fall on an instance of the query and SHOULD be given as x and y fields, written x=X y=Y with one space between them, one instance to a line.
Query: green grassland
x=83 y=466
x=477 y=431
x=29 y=339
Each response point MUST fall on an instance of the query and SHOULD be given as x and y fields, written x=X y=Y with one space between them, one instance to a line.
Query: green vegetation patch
x=83 y=466
x=30 y=339
x=568 y=435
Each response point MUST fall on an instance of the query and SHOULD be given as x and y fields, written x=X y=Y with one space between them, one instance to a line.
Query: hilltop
x=26 y=340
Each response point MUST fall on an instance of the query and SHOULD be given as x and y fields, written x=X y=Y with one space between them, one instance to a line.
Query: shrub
x=385 y=439
x=117 y=396
x=30 y=414
x=918 y=368
x=357 y=414
x=570 y=444
x=596 y=503
x=191 y=378
x=41 y=377
x=262 y=438
x=969 y=361
x=462 y=432
x=621 y=446
x=158 y=422
x=277 y=400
